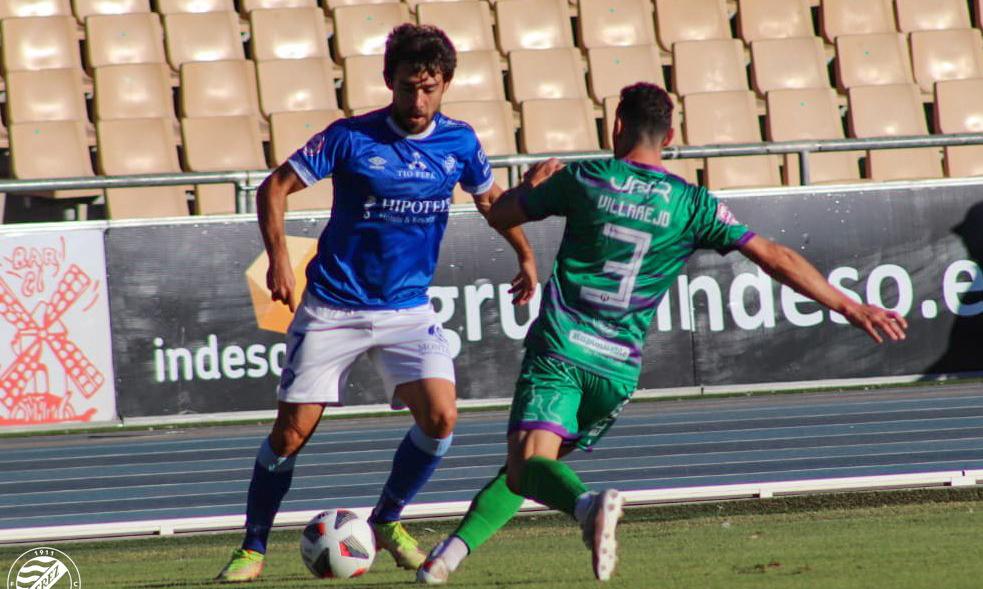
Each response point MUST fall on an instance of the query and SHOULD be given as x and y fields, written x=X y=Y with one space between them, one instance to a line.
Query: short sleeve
x=321 y=155
x=716 y=226
x=477 y=175
x=552 y=197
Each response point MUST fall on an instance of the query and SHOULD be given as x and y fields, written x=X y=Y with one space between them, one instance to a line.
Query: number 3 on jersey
x=628 y=271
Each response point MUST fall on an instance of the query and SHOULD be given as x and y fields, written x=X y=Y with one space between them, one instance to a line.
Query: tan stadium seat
x=533 y=24
x=895 y=109
x=708 y=66
x=247 y=6
x=362 y=29
x=124 y=38
x=478 y=77
x=289 y=132
x=133 y=91
x=48 y=95
x=932 y=15
x=25 y=8
x=494 y=125
x=806 y=115
x=193 y=6
x=946 y=55
x=615 y=23
x=729 y=117
x=691 y=20
x=330 y=5
x=209 y=36
x=613 y=68
x=872 y=60
x=958 y=109
x=39 y=43
x=788 y=63
x=296 y=84
x=684 y=168
x=288 y=33
x=363 y=86
x=86 y=8
x=140 y=146
x=467 y=24
x=51 y=149
x=856 y=17
x=774 y=19
x=220 y=144
x=558 y=125
x=546 y=74
x=219 y=89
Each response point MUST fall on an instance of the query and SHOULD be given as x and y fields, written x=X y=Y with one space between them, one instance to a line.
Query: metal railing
x=247 y=181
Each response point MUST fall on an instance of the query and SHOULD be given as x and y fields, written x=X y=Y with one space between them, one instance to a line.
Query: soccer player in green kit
x=630 y=227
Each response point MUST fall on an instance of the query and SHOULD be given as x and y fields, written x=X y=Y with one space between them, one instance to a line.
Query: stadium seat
x=546 y=74
x=478 y=77
x=615 y=23
x=932 y=15
x=291 y=130
x=533 y=24
x=729 y=117
x=219 y=144
x=494 y=124
x=894 y=109
x=39 y=43
x=946 y=55
x=193 y=6
x=296 y=84
x=958 y=109
x=856 y=17
x=363 y=86
x=788 y=63
x=708 y=66
x=247 y=6
x=26 y=8
x=86 y=8
x=330 y=5
x=806 y=115
x=774 y=19
x=691 y=20
x=210 y=36
x=219 y=89
x=468 y=24
x=684 y=168
x=133 y=91
x=872 y=60
x=288 y=33
x=51 y=149
x=362 y=29
x=124 y=38
x=558 y=125
x=140 y=146
x=613 y=68
x=49 y=95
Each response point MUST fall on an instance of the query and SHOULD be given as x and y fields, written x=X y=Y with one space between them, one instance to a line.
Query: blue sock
x=271 y=481
x=416 y=459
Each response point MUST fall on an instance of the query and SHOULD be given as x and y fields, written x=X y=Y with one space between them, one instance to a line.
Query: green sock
x=490 y=509
x=552 y=483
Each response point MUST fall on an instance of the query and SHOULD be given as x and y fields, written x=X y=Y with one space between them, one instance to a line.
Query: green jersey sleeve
x=552 y=197
x=716 y=227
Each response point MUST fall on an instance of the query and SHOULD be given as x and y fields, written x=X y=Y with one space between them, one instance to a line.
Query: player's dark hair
x=646 y=112
x=424 y=48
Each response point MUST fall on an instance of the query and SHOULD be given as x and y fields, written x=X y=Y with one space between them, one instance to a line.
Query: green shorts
x=574 y=403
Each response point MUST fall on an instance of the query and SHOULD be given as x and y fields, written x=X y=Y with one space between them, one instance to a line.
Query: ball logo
x=43 y=568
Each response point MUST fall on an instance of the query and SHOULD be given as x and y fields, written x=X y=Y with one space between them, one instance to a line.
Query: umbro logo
x=377 y=163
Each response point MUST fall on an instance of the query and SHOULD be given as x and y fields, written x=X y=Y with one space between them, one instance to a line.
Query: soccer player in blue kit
x=394 y=170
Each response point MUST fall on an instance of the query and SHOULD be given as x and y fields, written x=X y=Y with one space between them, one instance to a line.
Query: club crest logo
x=44 y=568
x=450 y=162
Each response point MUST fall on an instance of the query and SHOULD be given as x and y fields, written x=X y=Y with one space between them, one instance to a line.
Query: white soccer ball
x=337 y=544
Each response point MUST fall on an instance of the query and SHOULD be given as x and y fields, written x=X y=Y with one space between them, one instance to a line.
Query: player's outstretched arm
x=271 y=202
x=507 y=212
x=788 y=267
x=524 y=283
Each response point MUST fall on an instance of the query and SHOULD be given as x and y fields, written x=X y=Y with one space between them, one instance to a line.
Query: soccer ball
x=337 y=544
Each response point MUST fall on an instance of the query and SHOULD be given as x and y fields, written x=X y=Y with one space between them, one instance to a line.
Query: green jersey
x=630 y=229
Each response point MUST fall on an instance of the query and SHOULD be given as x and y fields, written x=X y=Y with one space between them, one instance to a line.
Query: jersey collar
x=646 y=166
x=402 y=132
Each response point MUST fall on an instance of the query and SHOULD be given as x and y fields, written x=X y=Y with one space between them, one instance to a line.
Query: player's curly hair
x=423 y=48
x=646 y=111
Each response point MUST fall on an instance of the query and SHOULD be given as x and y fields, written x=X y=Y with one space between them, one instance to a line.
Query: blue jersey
x=392 y=194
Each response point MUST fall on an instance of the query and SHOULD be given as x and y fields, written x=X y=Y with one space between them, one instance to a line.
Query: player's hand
x=541 y=171
x=280 y=281
x=525 y=282
x=875 y=320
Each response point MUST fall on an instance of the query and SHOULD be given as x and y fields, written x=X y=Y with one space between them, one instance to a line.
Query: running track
x=130 y=476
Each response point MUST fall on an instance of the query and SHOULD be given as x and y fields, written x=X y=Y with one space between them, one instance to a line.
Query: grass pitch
x=891 y=540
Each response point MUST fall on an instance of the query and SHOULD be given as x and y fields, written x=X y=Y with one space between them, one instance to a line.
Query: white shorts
x=323 y=343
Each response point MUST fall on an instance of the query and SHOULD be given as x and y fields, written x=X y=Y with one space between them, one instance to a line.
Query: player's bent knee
x=440 y=422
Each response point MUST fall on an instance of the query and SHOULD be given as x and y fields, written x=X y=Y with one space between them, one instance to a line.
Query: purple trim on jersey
x=549 y=426
x=741 y=241
x=649 y=167
x=646 y=302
